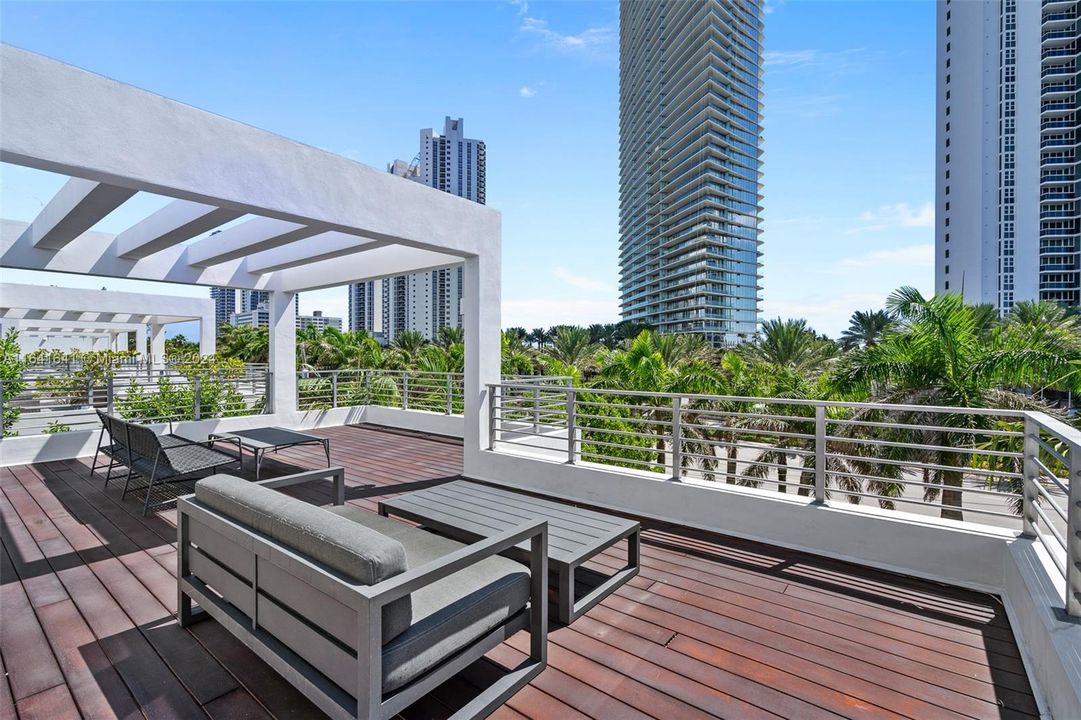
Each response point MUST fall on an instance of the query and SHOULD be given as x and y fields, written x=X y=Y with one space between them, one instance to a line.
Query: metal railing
x=404 y=389
x=39 y=404
x=439 y=392
x=1006 y=468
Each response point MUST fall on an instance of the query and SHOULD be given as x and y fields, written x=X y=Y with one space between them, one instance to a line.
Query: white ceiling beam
x=178 y=221
x=141 y=140
x=256 y=235
x=52 y=304
x=327 y=246
x=76 y=208
x=371 y=265
x=94 y=253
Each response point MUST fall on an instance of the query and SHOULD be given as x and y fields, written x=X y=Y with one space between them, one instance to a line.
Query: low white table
x=260 y=440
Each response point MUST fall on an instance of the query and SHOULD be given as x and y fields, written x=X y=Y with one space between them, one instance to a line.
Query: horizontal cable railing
x=439 y=392
x=1008 y=468
x=52 y=403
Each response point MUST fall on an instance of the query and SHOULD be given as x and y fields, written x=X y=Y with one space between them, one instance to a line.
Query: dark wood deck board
x=713 y=626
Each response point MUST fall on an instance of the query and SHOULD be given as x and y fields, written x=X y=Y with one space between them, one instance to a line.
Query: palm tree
x=407 y=345
x=517 y=336
x=938 y=355
x=865 y=328
x=538 y=336
x=245 y=343
x=573 y=348
x=791 y=344
x=516 y=359
x=642 y=368
x=451 y=335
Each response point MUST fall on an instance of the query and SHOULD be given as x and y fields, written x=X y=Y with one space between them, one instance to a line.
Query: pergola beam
x=278 y=178
x=257 y=235
x=178 y=221
x=371 y=265
x=327 y=246
x=75 y=208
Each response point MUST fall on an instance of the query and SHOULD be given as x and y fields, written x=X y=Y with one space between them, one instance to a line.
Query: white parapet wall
x=978 y=557
x=23 y=450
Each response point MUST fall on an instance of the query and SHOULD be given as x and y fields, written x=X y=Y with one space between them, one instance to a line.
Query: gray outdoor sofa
x=363 y=614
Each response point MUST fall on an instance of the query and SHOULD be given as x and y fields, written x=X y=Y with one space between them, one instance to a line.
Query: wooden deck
x=712 y=627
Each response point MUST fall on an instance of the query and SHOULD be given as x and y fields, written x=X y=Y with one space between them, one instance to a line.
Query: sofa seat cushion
x=355 y=551
x=450 y=613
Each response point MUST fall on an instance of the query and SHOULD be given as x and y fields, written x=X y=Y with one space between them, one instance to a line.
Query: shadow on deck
x=712 y=626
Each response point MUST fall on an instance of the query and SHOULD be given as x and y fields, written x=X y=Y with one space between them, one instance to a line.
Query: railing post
x=1073 y=534
x=536 y=410
x=494 y=393
x=820 y=453
x=450 y=393
x=197 y=399
x=677 y=437
x=333 y=389
x=1029 y=473
x=109 y=396
x=572 y=429
x=367 y=387
x=405 y=390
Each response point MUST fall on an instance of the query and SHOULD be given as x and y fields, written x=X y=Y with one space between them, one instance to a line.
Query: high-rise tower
x=690 y=133
x=427 y=301
x=1007 y=177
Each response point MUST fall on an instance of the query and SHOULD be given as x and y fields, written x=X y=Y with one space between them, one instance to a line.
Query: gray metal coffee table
x=471 y=511
x=260 y=440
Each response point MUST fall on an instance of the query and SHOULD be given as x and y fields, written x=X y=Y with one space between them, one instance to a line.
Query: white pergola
x=299 y=218
x=43 y=311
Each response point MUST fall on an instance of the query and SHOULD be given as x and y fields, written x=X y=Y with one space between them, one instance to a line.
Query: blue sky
x=849 y=129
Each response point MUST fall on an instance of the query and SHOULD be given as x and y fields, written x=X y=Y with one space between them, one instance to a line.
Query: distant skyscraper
x=224 y=304
x=1007 y=179
x=690 y=134
x=428 y=301
x=252 y=299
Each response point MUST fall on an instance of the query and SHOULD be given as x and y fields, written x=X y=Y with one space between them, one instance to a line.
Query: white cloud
x=897 y=215
x=522 y=5
x=597 y=37
x=581 y=282
x=806 y=106
x=911 y=256
x=545 y=312
x=790 y=57
x=850 y=58
x=526 y=92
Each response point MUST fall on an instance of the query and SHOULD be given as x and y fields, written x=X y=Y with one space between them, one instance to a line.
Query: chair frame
x=367 y=601
x=106 y=422
x=162 y=459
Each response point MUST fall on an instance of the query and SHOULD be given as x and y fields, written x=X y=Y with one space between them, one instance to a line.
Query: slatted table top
x=467 y=507
x=267 y=437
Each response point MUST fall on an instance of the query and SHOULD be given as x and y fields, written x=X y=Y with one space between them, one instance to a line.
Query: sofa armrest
x=370 y=701
x=412 y=580
x=337 y=473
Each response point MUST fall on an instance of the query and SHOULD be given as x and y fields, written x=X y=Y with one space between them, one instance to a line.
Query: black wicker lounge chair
x=162 y=459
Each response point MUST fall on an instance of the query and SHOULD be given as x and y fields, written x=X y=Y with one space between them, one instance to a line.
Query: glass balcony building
x=690 y=120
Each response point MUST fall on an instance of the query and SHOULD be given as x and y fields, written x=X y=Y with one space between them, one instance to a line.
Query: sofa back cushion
x=359 y=553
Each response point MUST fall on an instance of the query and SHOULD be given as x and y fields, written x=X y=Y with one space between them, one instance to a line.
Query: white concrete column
x=140 y=340
x=208 y=337
x=114 y=341
x=283 y=353
x=157 y=345
x=480 y=321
